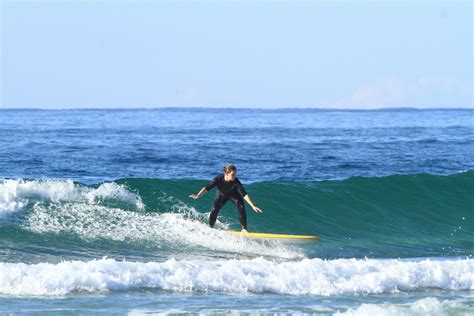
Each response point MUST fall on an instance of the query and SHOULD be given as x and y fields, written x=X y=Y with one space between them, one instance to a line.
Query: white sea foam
x=303 y=277
x=422 y=307
x=9 y=199
x=15 y=194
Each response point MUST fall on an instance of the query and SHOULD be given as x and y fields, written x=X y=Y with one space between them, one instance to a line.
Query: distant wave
x=424 y=306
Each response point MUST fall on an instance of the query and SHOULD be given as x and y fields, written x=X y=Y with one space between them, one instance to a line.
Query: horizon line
x=234 y=108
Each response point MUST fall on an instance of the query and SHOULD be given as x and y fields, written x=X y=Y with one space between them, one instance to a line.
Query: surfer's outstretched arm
x=199 y=194
x=206 y=188
x=250 y=202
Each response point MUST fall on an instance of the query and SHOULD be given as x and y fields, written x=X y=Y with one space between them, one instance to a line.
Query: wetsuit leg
x=239 y=203
x=218 y=203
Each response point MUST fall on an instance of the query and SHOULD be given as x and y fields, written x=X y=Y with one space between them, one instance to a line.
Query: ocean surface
x=95 y=216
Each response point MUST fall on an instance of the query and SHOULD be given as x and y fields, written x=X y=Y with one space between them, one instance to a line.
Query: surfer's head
x=230 y=171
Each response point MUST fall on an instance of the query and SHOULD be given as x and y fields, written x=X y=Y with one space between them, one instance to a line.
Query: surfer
x=229 y=188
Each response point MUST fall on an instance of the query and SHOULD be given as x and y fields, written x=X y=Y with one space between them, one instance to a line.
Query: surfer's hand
x=257 y=210
x=194 y=196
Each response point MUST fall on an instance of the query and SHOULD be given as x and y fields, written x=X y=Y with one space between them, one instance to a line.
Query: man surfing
x=229 y=188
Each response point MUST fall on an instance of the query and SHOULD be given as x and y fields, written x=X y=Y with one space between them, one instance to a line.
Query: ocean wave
x=418 y=215
x=259 y=275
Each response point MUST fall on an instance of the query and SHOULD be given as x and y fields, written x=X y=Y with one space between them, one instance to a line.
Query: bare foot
x=244 y=231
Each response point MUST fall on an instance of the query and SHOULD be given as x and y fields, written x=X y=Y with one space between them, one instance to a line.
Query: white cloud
x=388 y=92
x=395 y=92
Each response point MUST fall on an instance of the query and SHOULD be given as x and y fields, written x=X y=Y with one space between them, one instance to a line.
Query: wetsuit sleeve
x=211 y=184
x=241 y=189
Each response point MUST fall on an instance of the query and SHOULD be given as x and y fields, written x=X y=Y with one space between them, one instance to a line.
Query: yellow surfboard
x=276 y=237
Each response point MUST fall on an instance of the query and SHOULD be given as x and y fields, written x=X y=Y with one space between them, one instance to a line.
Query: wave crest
x=15 y=194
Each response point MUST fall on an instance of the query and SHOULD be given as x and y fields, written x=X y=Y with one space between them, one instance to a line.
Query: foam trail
x=165 y=230
x=307 y=276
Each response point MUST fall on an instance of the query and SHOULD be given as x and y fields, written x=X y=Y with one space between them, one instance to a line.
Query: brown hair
x=229 y=168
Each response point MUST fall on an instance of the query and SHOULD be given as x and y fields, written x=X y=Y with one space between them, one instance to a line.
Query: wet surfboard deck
x=276 y=237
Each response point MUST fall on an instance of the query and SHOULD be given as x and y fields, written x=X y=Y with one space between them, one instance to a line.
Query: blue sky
x=323 y=54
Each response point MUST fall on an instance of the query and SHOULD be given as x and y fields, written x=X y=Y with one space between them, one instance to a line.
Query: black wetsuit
x=228 y=190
